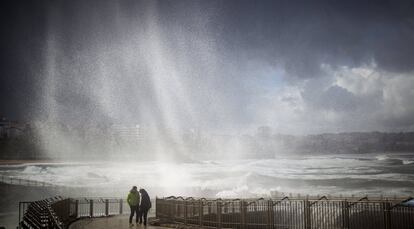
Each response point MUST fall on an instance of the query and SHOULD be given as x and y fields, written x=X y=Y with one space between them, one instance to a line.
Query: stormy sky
x=296 y=66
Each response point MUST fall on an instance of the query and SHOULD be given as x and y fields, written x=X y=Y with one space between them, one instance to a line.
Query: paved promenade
x=108 y=222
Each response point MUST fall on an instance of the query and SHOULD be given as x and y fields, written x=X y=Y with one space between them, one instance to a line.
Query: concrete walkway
x=108 y=222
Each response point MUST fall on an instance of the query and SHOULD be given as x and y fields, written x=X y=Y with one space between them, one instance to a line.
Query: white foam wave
x=382 y=157
x=407 y=162
x=246 y=191
x=227 y=178
x=33 y=170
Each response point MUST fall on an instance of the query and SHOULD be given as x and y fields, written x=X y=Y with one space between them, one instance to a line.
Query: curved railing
x=286 y=212
x=41 y=214
x=25 y=182
x=59 y=212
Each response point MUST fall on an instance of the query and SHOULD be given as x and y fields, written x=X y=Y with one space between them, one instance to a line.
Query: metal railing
x=39 y=214
x=25 y=182
x=59 y=212
x=286 y=213
x=64 y=211
x=97 y=207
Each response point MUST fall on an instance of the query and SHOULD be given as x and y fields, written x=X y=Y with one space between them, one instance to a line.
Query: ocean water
x=356 y=174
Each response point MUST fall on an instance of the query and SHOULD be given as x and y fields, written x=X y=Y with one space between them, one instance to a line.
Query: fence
x=25 y=182
x=39 y=214
x=59 y=212
x=65 y=211
x=286 y=213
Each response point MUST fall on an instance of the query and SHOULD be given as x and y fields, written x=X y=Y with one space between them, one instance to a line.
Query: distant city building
x=11 y=129
x=264 y=131
x=131 y=134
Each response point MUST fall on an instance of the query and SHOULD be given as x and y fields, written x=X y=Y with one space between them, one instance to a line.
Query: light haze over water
x=362 y=174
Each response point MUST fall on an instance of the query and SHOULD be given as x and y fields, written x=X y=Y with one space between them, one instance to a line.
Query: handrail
x=294 y=213
x=400 y=203
x=279 y=201
x=254 y=201
x=314 y=198
x=59 y=212
x=41 y=214
x=363 y=198
x=56 y=222
x=25 y=182
x=321 y=198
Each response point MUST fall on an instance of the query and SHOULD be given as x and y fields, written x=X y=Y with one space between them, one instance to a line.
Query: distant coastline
x=261 y=145
x=20 y=162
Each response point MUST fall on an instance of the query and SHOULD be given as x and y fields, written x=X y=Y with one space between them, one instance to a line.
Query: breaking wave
x=327 y=174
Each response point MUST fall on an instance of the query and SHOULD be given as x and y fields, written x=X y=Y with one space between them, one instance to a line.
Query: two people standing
x=140 y=203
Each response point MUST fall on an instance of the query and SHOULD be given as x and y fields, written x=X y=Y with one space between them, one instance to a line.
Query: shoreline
x=21 y=162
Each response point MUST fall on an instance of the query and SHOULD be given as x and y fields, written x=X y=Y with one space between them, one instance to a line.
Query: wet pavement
x=108 y=222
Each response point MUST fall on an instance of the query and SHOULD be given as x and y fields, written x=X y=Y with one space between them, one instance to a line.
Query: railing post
x=307 y=215
x=106 y=207
x=76 y=208
x=68 y=207
x=177 y=209
x=243 y=214
x=185 y=212
x=270 y=214
x=192 y=213
x=219 y=220
x=201 y=213
x=90 y=208
x=20 y=214
x=121 y=205
x=157 y=208
x=387 y=214
x=345 y=214
x=172 y=210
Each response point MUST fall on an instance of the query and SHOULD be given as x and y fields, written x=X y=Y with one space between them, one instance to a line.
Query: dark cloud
x=302 y=35
x=203 y=61
x=22 y=35
x=334 y=98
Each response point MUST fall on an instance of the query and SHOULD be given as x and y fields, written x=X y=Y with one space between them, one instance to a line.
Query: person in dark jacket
x=144 y=207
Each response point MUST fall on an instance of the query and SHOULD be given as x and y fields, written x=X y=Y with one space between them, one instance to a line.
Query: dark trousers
x=143 y=214
x=134 y=210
